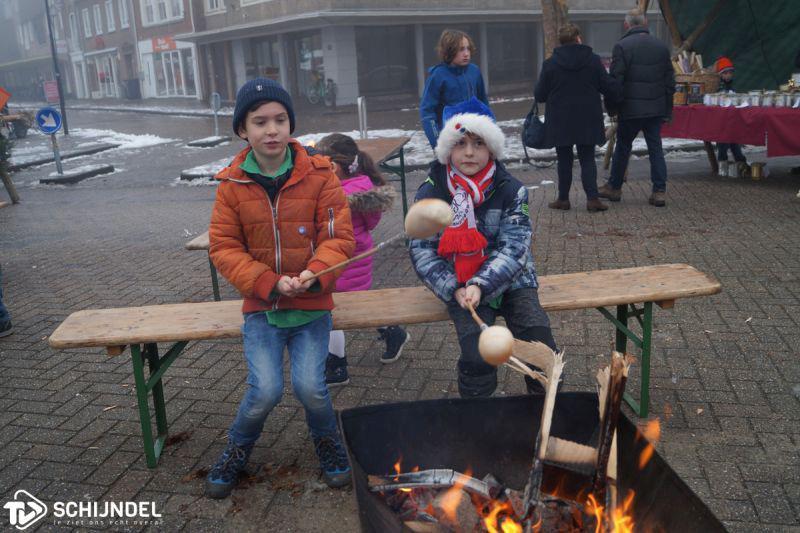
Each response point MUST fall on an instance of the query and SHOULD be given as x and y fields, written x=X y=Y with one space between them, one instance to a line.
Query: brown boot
x=658 y=199
x=559 y=204
x=613 y=195
x=595 y=205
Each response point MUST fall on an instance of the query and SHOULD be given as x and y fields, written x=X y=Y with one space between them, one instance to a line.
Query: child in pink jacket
x=368 y=196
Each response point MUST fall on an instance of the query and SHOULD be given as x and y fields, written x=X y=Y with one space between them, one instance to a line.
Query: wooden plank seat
x=142 y=328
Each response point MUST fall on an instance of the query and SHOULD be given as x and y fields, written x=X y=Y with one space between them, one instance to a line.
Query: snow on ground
x=79 y=170
x=126 y=141
x=419 y=153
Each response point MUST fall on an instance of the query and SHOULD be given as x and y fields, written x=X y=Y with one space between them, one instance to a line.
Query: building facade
x=192 y=48
x=379 y=47
x=103 y=57
x=169 y=65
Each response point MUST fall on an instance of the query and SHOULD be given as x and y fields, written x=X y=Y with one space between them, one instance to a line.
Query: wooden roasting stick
x=532 y=497
x=425 y=219
x=611 y=381
x=378 y=247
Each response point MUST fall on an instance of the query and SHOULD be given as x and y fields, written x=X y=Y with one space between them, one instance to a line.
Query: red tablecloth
x=776 y=127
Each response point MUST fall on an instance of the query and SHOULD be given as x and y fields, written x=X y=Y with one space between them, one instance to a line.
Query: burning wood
x=445 y=500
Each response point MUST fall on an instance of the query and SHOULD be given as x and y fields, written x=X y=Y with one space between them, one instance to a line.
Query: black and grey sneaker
x=333 y=461
x=6 y=329
x=395 y=337
x=336 y=371
x=224 y=475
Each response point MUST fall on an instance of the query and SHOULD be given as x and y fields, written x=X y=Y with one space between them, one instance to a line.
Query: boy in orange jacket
x=279 y=217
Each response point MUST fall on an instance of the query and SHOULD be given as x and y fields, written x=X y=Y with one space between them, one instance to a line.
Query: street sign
x=216 y=101
x=48 y=120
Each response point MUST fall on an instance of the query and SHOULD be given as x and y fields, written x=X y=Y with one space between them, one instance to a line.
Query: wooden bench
x=142 y=328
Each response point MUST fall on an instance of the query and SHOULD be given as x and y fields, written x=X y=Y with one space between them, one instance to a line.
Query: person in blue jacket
x=452 y=81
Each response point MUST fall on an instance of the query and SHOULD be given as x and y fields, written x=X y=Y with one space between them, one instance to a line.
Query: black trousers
x=524 y=317
x=588 y=170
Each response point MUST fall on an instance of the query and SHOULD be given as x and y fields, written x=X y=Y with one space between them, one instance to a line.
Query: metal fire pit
x=496 y=435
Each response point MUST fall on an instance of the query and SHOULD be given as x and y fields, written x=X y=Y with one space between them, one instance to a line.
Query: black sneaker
x=336 y=371
x=6 y=329
x=395 y=337
x=333 y=461
x=224 y=475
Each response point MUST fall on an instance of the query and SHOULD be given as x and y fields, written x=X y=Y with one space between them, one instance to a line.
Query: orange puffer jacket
x=254 y=243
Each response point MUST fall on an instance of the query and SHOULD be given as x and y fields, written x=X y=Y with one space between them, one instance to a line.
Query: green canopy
x=762 y=38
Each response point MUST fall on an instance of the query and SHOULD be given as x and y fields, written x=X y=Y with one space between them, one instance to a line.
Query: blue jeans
x=627 y=130
x=736 y=150
x=263 y=349
x=5 y=318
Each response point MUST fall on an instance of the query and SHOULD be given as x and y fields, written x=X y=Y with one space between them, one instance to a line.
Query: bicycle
x=321 y=90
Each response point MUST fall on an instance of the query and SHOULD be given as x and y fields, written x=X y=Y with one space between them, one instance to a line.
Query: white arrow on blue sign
x=48 y=120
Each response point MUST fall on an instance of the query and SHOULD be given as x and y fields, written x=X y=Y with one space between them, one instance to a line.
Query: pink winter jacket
x=366 y=204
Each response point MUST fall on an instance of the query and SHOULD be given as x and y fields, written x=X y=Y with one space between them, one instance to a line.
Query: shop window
x=512 y=52
x=308 y=57
x=383 y=65
x=261 y=59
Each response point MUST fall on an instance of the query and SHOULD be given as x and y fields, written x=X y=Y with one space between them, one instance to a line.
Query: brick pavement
x=724 y=367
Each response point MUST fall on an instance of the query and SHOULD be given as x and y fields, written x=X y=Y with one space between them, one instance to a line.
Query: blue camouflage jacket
x=448 y=85
x=502 y=218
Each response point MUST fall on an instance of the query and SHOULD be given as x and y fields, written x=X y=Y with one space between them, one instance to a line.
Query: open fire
x=446 y=500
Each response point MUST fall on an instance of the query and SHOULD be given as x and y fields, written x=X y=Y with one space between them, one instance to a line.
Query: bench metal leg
x=214 y=280
x=399 y=171
x=158 y=366
x=624 y=334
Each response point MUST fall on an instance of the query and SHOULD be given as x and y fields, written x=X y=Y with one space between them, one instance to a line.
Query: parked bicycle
x=321 y=90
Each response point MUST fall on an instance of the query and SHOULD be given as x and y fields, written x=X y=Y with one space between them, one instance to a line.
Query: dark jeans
x=588 y=170
x=736 y=150
x=627 y=130
x=524 y=317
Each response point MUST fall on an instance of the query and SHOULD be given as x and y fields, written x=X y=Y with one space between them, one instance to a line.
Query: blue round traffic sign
x=48 y=120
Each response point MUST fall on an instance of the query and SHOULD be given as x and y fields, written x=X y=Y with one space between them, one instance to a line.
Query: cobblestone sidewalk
x=726 y=374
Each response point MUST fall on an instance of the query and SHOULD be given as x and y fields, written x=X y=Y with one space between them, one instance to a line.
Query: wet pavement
x=725 y=368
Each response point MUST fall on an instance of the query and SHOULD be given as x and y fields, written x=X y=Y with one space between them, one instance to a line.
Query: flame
x=505 y=524
x=452 y=499
x=652 y=432
x=621 y=519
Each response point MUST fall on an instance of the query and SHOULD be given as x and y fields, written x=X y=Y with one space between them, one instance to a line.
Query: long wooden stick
x=12 y=190
x=362 y=255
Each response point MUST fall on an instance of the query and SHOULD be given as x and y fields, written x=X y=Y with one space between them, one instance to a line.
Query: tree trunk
x=554 y=15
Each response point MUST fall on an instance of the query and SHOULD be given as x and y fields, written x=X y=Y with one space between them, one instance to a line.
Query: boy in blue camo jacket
x=483 y=259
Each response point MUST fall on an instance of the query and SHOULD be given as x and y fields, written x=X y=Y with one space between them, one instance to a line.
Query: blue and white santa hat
x=472 y=116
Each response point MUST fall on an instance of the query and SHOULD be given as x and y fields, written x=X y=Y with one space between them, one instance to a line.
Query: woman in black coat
x=571 y=83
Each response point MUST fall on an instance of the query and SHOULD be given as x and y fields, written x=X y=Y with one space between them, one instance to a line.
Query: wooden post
x=687 y=44
x=12 y=191
x=712 y=157
x=666 y=9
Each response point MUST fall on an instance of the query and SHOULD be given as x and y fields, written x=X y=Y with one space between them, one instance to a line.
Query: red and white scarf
x=461 y=240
